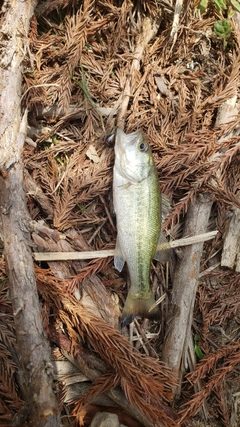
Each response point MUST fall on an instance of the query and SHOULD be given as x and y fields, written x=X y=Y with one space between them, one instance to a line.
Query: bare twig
x=73 y=111
x=176 y=19
x=64 y=256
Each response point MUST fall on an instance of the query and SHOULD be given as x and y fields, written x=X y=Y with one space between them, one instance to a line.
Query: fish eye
x=143 y=147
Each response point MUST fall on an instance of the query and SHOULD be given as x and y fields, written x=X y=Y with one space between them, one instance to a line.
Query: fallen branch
x=184 y=289
x=134 y=371
x=34 y=368
x=115 y=395
x=231 y=247
x=186 y=275
x=64 y=256
x=92 y=368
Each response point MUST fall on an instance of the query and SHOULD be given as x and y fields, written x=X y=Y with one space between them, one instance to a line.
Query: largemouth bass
x=138 y=208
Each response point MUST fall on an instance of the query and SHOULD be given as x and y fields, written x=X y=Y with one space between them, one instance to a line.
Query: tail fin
x=142 y=307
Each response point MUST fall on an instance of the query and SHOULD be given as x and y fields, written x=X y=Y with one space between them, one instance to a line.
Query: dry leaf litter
x=93 y=65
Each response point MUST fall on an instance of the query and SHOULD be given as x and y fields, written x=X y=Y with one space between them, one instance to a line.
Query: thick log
x=35 y=368
x=228 y=112
x=231 y=247
x=176 y=343
x=184 y=288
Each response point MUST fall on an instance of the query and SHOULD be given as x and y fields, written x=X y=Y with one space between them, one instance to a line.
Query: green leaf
x=230 y=12
x=222 y=28
x=202 y=5
x=198 y=352
x=59 y=160
x=221 y=5
x=236 y=4
x=197 y=349
x=196 y=338
x=54 y=139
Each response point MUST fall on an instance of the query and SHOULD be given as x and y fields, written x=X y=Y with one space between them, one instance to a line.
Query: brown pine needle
x=65 y=256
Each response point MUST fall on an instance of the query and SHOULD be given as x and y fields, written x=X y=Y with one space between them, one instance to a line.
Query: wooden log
x=90 y=365
x=185 y=280
x=231 y=248
x=184 y=288
x=115 y=394
x=230 y=255
x=35 y=368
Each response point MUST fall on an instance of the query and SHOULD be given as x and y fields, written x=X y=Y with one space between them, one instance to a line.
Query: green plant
x=54 y=139
x=197 y=349
x=226 y=8
x=223 y=29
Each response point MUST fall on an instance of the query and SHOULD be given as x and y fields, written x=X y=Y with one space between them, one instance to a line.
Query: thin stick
x=176 y=19
x=41 y=85
x=65 y=256
x=193 y=239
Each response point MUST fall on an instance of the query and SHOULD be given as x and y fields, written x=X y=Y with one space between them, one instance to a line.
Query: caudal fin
x=139 y=307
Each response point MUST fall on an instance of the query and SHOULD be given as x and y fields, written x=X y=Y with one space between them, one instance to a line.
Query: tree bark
x=35 y=368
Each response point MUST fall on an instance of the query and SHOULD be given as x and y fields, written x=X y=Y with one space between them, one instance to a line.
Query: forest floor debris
x=89 y=68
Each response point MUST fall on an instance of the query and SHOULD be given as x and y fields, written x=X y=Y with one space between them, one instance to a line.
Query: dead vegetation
x=92 y=65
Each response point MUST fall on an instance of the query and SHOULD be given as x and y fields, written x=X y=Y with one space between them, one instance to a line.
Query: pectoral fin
x=163 y=251
x=166 y=206
x=119 y=260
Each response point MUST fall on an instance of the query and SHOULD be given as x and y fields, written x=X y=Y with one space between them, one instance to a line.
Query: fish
x=138 y=205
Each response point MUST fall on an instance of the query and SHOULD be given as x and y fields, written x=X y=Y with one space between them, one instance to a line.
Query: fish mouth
x=123 y=140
